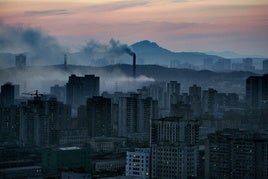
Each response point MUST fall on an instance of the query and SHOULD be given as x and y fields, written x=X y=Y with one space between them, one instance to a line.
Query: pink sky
x=180 y=25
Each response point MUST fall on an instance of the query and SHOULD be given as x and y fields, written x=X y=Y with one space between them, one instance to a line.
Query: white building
x=138 y=163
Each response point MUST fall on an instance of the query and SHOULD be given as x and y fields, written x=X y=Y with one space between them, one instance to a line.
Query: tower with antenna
x=65 y=61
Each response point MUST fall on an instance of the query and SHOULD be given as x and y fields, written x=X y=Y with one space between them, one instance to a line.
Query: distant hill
x=151 y=53
x=147 y=53
x=231 y=54
x=45 y=76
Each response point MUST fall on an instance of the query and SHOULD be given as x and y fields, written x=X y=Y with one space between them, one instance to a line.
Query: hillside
x=46 y=76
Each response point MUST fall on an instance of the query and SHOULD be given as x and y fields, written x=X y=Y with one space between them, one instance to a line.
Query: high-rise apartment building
x=7 y=96
x=265 y=66
x=195 y=99
x=78 y=89
x=236 y=154
x=174 y=148
x=99 y=116
x=209 y=101
x=256 y=90
x=134 y=115
x=20 y=61
x=173 y=92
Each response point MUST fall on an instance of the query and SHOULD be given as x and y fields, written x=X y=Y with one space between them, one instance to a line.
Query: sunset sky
x=179 y=25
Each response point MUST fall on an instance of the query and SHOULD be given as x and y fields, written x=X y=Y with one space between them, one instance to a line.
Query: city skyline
x=205 y=25
x=119 y=89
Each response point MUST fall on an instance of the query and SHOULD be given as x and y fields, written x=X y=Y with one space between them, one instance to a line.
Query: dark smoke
x=105 y=54
x=39 y=48
x=42 y=49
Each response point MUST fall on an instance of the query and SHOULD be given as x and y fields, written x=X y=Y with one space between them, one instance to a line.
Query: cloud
x=113 y=6
x=48 y=12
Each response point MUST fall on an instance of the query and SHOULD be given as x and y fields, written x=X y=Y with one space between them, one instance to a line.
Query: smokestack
x=65 y=61
x=134 y=65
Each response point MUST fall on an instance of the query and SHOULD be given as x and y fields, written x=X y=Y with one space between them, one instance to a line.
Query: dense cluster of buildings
x=225 y=64
x=157 y=132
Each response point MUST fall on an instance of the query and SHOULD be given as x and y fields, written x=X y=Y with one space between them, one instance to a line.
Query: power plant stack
x=134 y=65
x=65 y=62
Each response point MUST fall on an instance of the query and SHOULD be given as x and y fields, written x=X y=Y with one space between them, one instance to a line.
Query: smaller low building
x=66 y=158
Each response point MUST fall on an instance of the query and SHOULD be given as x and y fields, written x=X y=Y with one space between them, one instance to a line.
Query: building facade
x=78 y=89
x=174 y=148
x=138 y=163
x=236 y=154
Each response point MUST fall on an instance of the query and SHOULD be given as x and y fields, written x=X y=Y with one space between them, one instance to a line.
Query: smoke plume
x=40 y=48
x=104 y=54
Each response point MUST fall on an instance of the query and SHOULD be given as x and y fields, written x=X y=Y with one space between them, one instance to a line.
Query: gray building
x=173 y=92
x=256 y=91
x=236 y=154
x=99 y=120
x=265 y=66
x=209 y=101
x=134 y=115
x=195 y=99
x=7 y=95
x=174 y=148
x=78 y=89
x=20 y=61
x=59 y=92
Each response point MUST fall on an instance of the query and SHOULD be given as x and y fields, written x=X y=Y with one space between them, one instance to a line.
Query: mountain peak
x=145 y=43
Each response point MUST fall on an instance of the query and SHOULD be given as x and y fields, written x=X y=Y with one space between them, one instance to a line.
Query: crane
x=36 y=95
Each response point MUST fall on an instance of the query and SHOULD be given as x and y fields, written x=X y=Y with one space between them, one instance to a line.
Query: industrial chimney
x=134 y=65
x=65 y=62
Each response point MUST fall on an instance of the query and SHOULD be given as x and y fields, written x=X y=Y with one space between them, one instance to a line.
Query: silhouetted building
x=73 y=136
x=248 y=64
x=20 y=61
x=7 y=95
x=208 y=63
x=41 y=121
x=195 y=99
x=134 y=115
x=59 y=92
x=68 y=158
x=181 y=110
x=99 y=116
x=157 y=92
x=174 y=148
x=17 y=91
x=222 y=65
x=78 y=89
x=10 y=124
x=232 y=100
x=209 y=101
x=265 y=66
x=236 y=154
x=256 y=90
x=173 y=92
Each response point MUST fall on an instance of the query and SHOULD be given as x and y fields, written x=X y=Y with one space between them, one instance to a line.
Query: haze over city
x=133 y=89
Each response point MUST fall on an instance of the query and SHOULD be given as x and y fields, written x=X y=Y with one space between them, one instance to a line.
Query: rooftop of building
x=69 y=148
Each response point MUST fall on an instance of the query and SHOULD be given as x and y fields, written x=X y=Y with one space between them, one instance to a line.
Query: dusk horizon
x=196 y=25
x=133 y=89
